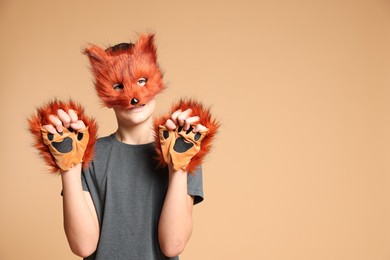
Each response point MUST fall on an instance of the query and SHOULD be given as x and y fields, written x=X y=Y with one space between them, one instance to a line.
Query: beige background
x=300 y=169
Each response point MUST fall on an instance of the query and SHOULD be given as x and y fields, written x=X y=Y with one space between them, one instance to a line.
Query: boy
x=123 y=206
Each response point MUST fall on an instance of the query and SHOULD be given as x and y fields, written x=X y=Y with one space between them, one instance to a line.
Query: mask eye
x=118 y=86
x=142 y=81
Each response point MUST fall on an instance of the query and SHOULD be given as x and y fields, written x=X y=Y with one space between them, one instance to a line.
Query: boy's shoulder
x=104 y=142
x=103 y=146
x=105 y=139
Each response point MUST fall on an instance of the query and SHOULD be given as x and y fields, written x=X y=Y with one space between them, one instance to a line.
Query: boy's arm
x=175 y=224
x=183 y=138
x=65 y=138
x=80 y=219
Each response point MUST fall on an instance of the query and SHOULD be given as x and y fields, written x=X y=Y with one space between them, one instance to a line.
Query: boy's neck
x=136 y=134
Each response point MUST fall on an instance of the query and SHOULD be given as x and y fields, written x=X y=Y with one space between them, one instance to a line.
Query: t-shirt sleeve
x=89 y=184
x=88 y=180
x=195 y=185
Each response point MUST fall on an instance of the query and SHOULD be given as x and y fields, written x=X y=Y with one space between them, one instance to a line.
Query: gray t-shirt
x=128 y=192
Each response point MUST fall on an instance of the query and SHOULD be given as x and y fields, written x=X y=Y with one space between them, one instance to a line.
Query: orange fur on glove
x=63 y=150
x=184 y=149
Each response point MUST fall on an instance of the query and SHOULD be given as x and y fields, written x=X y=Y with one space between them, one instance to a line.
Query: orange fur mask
x=126 y=75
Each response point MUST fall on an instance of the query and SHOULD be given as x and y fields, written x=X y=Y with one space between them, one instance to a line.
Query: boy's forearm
x=175 y=224
x=80 y=222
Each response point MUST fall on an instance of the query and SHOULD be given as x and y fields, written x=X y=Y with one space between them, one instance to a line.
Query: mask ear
x=95 y=54
x=145 y=45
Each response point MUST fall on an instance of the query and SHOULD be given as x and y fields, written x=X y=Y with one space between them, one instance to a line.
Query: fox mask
x=126 y=75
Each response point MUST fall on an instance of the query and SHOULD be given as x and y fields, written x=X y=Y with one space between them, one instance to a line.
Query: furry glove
x=62 y=151
x=179 y=146
x=185 y=150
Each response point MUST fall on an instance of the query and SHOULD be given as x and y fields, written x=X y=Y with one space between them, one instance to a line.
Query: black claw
x=180 y=128
x=50 y=136
x=189 y=130
x=80 y=136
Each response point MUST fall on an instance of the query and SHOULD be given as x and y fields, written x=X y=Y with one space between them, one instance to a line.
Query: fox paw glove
x=179 y=146
x=62 y=151
x=182 y=149
x=67 y=147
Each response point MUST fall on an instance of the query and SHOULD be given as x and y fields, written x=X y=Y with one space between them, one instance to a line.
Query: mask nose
x=134 y=101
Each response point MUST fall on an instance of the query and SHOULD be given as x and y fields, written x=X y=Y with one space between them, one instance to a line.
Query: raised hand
x=180 y=138
x=63 y=134
x=184 y=136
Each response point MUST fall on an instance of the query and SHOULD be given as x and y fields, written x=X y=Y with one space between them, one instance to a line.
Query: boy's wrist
x=73 y=175
x=176 y=174
x=173 y=171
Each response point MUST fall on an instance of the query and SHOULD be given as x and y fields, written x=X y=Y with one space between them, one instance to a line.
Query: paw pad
x=179 y=146
x=67 y=147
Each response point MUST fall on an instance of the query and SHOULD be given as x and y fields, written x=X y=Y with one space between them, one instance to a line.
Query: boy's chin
x=138 y=118
x=132 y=120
